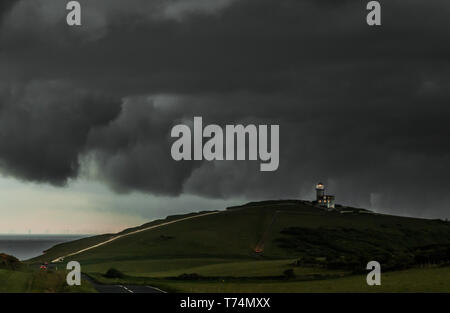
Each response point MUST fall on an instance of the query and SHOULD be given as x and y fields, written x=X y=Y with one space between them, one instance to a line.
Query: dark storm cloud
x=44 y=127
x=5 y=6
x=365 y=110
x=133 y=153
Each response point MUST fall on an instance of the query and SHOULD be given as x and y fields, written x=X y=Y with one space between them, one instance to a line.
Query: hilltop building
x=322 y=199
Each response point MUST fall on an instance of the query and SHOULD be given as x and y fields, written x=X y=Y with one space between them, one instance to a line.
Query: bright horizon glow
x=86 y=208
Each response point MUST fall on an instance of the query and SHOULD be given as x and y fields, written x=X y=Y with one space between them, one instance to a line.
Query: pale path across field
x=59 y=259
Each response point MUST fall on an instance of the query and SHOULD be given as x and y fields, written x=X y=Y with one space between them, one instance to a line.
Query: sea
x=25 y=247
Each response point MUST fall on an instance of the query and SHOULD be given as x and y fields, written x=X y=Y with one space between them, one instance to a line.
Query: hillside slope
x=284 y=230
x=76 y=245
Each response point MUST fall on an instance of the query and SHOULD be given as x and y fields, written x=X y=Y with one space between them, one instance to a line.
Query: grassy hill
x=9 y=262
x=288 y=235
x=16 y=277
x=76 y=245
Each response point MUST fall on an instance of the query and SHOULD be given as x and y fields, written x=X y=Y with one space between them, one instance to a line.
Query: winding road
x=124 y=288
x=61 y=258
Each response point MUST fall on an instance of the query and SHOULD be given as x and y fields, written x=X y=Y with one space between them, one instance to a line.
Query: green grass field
x=38 y=281
x=416 y=280
x=413 y=280
x=208 y=268
x=222 y=246
x=14 y=281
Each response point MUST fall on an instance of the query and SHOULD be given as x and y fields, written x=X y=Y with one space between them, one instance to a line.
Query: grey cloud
x=44 y=127
x=357 y=154
x=132 y=152
x=364 y=110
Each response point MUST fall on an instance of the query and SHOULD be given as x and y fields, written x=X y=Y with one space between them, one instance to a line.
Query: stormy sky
x=363 y=109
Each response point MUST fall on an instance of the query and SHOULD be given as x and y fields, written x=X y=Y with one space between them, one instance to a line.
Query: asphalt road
x=122 y=288
x=115 y=288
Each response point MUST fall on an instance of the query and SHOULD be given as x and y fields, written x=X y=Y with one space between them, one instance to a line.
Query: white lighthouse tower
x=320 y=192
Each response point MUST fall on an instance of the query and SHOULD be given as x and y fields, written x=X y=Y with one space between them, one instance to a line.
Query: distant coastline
x=26 y=246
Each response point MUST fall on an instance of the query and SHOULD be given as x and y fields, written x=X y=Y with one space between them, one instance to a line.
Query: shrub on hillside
x=191 y=276
x=9 y=262
x=289 y=273
x=114 y=273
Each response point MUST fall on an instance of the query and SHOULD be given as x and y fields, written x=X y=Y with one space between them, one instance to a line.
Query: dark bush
x=306 y=261
x=191 y=276
x=9 y=262
x=289 y=273
x=114 y=273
